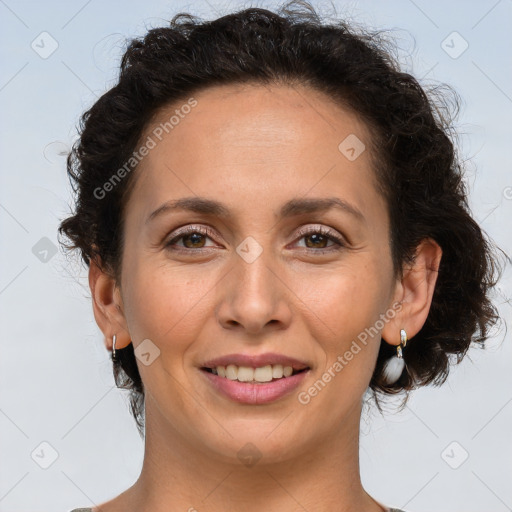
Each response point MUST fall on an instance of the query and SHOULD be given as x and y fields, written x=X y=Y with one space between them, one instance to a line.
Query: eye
x=192 y=234
x=320 y=235
x=193 y=237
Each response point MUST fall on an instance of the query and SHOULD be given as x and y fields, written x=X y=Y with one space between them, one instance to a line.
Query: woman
x=275 y=222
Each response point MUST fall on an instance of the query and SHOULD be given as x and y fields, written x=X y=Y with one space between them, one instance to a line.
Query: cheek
x=163 y=302
x=341 y=309
x=347 y=303
x=346 y=299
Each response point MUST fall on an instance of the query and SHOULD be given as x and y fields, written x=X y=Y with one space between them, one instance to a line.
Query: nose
x=253 y=296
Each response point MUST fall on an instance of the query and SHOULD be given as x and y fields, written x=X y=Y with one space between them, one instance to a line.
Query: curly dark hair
x=415 y=161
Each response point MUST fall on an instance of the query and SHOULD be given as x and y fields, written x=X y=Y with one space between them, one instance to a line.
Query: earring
x=114 y=357
x=394 y=366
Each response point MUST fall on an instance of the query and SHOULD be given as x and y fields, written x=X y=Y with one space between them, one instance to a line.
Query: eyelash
x=301 y=234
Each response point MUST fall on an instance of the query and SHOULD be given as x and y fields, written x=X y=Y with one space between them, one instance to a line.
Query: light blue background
x=55 y=374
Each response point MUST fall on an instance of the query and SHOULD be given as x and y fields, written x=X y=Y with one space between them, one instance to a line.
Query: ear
x=108 y=306
x=414 y=291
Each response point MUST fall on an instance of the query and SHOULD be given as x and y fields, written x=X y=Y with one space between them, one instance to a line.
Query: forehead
x=252 y=145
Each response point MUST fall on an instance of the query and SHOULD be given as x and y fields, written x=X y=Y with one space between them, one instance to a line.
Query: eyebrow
x=296 y=206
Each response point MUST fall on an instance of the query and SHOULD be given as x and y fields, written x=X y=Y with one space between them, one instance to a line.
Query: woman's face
x=254 y=284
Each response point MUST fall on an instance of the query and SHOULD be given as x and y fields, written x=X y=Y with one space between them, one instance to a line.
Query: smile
x=262 y=374
x=245 y=384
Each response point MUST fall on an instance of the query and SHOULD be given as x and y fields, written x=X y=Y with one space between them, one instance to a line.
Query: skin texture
x=253 y=148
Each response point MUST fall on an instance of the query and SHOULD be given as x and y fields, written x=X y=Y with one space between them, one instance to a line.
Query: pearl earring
x=394 y=366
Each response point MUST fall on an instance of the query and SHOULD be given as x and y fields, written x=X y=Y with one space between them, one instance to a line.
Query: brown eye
x=193 y=238
x=319 y=237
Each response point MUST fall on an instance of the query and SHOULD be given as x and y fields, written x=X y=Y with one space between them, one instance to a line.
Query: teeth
x=247 y=374
x=263 y=374
x=277 y=371
x=231 y=372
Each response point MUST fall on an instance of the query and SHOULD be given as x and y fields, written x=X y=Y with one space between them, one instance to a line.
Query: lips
x=256 y=361
x=251 y=393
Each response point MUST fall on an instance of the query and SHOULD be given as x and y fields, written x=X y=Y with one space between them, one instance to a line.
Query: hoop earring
x=114 y=355
x=394 y=366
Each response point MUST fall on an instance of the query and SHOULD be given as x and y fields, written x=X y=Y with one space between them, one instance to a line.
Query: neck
x=176 y=473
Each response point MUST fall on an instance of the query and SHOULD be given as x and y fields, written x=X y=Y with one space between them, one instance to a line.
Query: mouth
x=254 y=386
x=261 y=375
x=254 y=379
x=255 y=367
